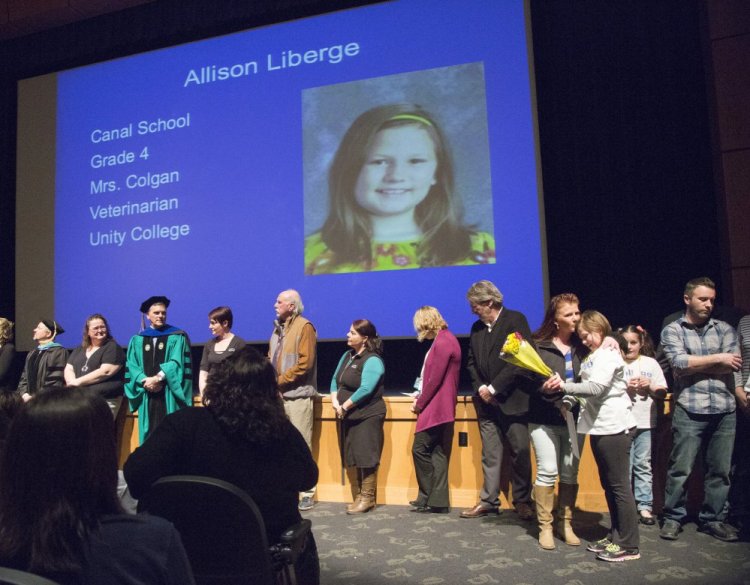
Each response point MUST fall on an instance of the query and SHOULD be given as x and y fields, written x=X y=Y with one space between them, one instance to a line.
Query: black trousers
x=612 y=455
x=307 y=566
x=739 y=490
x=431 y=452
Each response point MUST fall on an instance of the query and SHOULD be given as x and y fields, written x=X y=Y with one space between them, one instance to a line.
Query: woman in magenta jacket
x=435 y=406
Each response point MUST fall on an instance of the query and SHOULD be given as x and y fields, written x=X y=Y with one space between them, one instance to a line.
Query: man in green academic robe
x=159 y=378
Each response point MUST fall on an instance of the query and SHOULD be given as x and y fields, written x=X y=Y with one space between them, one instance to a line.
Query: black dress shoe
x=646 y=520
x=525 y=511
x=670 y=530
x=431 y=509
x=416 y=504
x=720 y=530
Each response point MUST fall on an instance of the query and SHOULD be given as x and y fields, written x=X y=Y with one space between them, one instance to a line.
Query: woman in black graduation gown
x=44 y=365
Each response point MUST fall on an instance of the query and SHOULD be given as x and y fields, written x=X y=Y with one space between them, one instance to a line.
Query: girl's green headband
x=413 y=117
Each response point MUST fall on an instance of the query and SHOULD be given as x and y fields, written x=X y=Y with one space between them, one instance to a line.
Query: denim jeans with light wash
x=692 y=433
x=554 y=454
x=640 y=470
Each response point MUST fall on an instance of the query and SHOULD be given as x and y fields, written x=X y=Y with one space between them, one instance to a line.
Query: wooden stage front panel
x=397 y=482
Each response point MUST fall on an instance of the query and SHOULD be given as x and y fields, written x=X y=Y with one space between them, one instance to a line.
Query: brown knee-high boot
x=566 y=501
x=358 y=488
x=544 y=496
x=369 y=491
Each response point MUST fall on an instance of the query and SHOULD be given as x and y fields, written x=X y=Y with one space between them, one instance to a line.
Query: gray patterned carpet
x=392 y=545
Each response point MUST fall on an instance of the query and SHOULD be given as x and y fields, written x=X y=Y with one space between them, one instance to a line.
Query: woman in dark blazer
x=435 y=406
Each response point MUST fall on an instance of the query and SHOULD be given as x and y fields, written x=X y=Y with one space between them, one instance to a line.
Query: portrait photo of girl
x=392 y=199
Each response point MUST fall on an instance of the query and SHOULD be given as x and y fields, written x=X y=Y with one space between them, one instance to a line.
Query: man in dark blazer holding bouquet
x=500 y=400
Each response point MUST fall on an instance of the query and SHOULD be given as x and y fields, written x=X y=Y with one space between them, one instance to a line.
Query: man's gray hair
x=483 y=291
x=292 y=296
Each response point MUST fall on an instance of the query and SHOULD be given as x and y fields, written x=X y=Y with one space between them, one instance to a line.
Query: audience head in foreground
x=244 y=398
x=59 y=511
x=242 y=436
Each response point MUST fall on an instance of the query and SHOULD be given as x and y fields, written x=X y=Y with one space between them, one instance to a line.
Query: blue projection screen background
x=198 y=171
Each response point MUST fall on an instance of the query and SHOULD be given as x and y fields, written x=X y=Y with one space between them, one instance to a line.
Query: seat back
x=221 y=528
x=14 y=577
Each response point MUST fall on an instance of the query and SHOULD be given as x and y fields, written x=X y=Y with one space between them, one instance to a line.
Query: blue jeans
x=712 y=434
x=640 y=470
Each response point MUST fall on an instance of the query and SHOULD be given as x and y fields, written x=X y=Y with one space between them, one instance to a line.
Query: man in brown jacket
x=292 y=352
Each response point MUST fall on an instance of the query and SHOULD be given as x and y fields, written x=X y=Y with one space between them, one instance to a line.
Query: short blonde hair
x=6 y=330
x=594 y=322
x=427 y=320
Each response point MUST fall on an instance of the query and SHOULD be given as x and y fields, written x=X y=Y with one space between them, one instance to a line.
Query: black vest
x=349 y=379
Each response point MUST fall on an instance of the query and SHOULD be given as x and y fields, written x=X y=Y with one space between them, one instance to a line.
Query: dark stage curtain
x=631 y=212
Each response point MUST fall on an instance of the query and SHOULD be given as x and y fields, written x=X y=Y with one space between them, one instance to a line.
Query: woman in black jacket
x=562 y=351
x=242 y=436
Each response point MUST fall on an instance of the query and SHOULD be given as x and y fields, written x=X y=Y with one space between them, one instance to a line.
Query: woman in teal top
x=357 y=398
